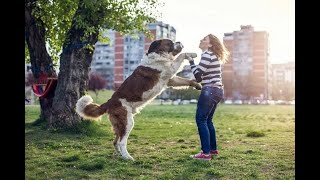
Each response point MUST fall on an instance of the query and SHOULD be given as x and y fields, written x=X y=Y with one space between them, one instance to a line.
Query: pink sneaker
x=214 y=152
x=202 y=156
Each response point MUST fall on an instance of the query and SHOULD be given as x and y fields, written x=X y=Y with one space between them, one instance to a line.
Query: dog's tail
x=88 y=110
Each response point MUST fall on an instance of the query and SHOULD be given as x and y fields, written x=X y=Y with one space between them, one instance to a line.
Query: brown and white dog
x=155 y=73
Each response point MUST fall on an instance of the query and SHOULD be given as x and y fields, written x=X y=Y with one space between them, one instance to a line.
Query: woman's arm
x=200 y=69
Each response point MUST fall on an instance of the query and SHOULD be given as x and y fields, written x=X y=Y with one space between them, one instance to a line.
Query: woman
x=208 y=72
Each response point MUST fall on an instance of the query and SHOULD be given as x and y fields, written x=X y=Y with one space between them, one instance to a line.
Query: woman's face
x=205 y=43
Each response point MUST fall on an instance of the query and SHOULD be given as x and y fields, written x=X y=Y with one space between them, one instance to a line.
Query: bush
x=255 y=134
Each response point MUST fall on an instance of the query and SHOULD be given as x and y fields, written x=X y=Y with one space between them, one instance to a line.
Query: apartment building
x=247 y=73
x=118 y=59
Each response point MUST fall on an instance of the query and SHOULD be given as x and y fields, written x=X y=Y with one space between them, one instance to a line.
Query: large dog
x=156 y=72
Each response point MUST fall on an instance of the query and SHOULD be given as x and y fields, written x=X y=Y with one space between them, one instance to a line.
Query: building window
x=165 y=33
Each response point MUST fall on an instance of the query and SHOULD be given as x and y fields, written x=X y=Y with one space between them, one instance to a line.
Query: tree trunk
x=39 y=57
x=73 y=78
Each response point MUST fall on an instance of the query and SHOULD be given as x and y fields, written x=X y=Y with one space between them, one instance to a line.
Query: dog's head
x=165 y=46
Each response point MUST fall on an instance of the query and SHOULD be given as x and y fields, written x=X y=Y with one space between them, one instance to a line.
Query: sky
x=194 y=19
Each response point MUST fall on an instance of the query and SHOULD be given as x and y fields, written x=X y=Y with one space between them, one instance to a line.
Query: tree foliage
x=185 y=93
x=124 y=16
x=96 y=82
x=283 y=91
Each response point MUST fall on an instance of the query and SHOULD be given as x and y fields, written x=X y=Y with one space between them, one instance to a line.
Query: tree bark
x=72 y=80
x=39 y=57
x=73 y=77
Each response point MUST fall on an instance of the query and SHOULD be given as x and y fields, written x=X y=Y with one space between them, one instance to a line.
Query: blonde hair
x=218 y=48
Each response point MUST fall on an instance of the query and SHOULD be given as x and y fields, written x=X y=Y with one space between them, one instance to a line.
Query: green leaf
x=124 y=16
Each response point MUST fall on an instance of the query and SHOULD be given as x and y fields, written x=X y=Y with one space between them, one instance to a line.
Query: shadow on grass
x=86 y=128
x=193 y=166
x=41 y=123
x=78 y=138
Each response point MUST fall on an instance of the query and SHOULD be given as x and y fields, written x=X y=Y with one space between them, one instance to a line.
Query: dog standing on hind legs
x=155 y=73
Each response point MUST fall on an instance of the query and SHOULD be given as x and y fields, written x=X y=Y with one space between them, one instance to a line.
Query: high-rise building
x=119 y=58
x=283 y=72
x=103 y=59
x=247 y=72
x=283 y=81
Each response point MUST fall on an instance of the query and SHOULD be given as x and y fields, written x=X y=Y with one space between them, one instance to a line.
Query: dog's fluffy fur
x=155 y=73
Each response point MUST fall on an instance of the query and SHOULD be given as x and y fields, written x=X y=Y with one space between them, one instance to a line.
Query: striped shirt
x=208 y=72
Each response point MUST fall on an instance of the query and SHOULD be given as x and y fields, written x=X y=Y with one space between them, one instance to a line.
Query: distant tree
x=96 y=83
x=283 y=91
x=254 y=86
x=247 y=85
x=276 y=91
x=241 y=84
x=291 y=91
x=185 y=94
x=288 y=91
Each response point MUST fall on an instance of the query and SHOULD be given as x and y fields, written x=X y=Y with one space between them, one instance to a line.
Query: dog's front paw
x=128 y=158
x=196 y=85
x=190 y=55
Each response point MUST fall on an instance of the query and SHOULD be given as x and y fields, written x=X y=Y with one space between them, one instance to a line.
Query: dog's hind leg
x=122 y=123
x=116 y=144
x=124 y=140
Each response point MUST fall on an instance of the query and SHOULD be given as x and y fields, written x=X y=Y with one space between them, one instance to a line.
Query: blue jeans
x=207 y=104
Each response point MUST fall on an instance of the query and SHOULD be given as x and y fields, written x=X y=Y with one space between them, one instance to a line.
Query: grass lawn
x=255 y=142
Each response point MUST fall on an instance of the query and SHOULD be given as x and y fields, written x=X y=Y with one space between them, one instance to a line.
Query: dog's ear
x=154 y=47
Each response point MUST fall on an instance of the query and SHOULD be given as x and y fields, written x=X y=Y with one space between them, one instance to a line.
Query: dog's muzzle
x=178 y=45
x=177 y=48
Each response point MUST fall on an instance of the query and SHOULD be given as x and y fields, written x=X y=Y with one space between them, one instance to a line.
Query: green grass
x=255 y=142
x=103 y=96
